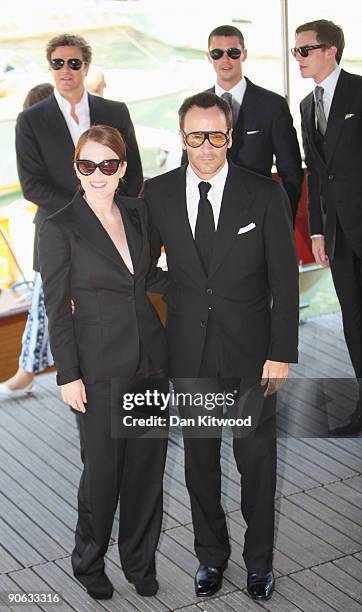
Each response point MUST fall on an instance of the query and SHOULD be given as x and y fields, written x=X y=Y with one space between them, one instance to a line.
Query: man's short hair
x=70 y=40
x=327 y=33
x=226 y=30
x=205 y=99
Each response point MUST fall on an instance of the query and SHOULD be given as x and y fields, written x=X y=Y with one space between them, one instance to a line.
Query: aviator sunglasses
x=107 y=166
x=304 y=51
x=73 y=63
x=196 y=139
x=233 y=53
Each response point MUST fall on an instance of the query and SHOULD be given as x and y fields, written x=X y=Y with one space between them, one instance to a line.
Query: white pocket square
x=349 y=116
x=253 y=132
x=246 y=228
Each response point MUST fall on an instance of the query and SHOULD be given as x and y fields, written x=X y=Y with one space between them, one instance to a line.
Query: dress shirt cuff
x=317 y=236
x=67 y=376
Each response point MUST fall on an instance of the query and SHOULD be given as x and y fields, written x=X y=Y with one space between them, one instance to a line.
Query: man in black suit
x=47 y=133
x=230 y=247
x=332 y=128
x=262 y=124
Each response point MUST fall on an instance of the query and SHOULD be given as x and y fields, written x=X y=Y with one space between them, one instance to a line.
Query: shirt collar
x=237 y=91
x=216 y=182
x=330 y=82
x=65 y=105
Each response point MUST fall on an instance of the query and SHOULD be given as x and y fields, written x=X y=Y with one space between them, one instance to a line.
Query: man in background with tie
x=332 y=139
x=229 y=243
x=262 y=124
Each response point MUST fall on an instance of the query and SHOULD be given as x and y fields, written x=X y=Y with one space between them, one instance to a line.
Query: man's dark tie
x=205 y=227
x=319 y=110
x=233 y=105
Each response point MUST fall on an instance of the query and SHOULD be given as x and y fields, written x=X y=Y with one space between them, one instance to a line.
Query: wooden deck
x=318 y=553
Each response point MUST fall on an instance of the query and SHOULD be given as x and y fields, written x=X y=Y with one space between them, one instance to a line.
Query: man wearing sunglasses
x=47 y=133
x=332 y=139
x=262 y=124
x=229 y=243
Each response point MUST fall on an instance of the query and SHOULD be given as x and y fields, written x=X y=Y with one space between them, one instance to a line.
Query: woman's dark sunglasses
x=304 y=51
x=197 y=139
x=73 y=63
x=107 y=166
x=233 y=53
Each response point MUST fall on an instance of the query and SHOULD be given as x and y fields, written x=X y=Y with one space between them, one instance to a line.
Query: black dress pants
x=255 y=456
x=117 y=468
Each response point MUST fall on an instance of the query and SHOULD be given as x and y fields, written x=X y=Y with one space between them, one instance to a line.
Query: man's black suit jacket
x=254 y=258
x=264 y=129
x=335 y=174
x=113 y=316
x=45 y=151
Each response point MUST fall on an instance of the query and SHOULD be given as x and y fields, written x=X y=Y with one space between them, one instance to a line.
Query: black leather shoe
x=208 y=580
x=101 y=589
x=260 y=586
x=146 y=588
x=351 y=427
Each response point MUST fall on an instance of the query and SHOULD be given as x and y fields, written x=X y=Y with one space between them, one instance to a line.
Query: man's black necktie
x=235 y=107
x=205 y=227
x=319 y=110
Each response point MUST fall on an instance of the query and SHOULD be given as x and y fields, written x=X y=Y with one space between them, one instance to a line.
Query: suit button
x=130 y=298
x=331 y=177
x=209 y=291
x=203 y=323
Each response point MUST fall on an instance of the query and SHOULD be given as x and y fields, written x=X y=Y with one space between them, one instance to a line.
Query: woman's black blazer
x=113 y=316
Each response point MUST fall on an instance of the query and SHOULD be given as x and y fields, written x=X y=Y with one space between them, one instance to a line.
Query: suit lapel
x=235 y=204
x=97 y=113
x=246 y=108
x=177 y=210
x=58 y=128
x=89 y=228
x=133 y=229
x=339 y=107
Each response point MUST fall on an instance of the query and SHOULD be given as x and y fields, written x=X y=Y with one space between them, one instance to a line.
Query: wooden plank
x=56 y=537
x=41 y=430
x=28 y=581
x=17 y=547
x=343 y=581
x=336 y=599
x=7 y=562
x=35 y=466
x=342 y=506
x=309 y=461
x=20 y=485
x=300 y=596
x=351 y=566
x=331 y=447
x=7 y=585
x=234 y=601
x=344 y=491
x=318 y=527
x=50 y=428
x=332 y=518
